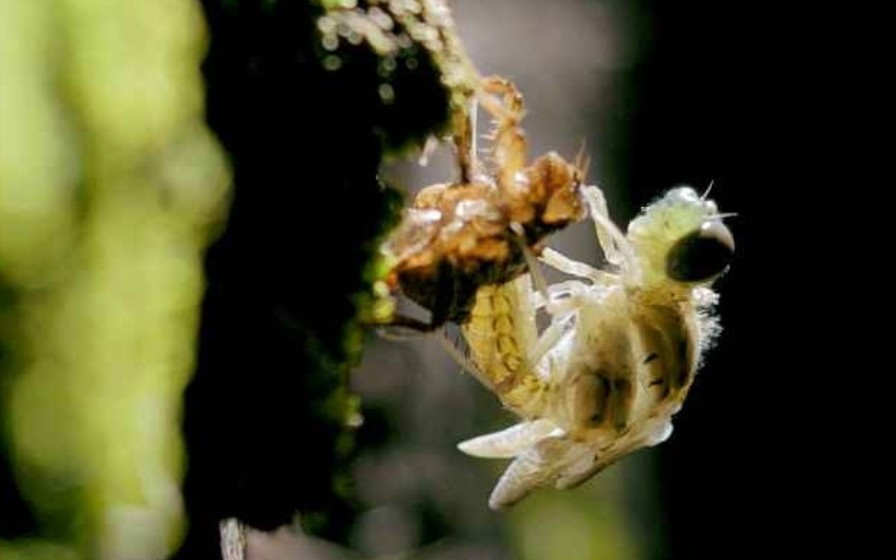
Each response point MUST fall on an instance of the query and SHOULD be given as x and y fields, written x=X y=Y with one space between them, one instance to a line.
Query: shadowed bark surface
x=306 y=119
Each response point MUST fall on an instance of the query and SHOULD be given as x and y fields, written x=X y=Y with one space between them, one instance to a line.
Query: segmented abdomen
x=499 y=331
x=669 y=344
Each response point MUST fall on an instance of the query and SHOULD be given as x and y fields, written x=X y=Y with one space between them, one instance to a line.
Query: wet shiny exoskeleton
x=456 y=237
x=620 y=354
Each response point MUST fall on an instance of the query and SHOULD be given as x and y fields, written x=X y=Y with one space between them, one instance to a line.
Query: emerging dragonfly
x=456 y=237
x=620 y=354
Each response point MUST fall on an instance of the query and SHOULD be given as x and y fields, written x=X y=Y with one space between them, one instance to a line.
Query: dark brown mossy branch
x=306 y=98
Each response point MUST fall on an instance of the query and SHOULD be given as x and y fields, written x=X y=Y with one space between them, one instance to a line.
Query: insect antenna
x=708 y=190
x=723 y=215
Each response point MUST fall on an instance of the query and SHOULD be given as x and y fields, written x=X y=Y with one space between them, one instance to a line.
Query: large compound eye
x=702 y=254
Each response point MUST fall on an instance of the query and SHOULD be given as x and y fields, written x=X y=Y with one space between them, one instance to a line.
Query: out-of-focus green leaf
x=35 y=550
x=587 y=525
x=109 y=186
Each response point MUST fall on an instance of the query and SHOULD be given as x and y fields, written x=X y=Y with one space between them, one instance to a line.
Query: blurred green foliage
x=590 y=524
x=110 y=186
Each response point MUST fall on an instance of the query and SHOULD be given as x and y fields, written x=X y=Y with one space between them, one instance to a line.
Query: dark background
x=713 y=104
x=756 y=465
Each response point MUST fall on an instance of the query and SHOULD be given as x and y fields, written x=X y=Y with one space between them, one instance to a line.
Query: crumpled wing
x=593 y=463
x=509 y=442
x=582 y=470
x=537 y=466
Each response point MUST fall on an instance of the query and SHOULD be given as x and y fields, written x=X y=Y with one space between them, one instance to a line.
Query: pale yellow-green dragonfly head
x=681 y=238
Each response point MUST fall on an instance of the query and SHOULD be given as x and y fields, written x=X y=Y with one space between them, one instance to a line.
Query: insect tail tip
x=464 y=448
x=501 y=500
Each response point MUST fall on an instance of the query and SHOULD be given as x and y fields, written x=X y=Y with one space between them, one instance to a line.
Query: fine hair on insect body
x=619 y=356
